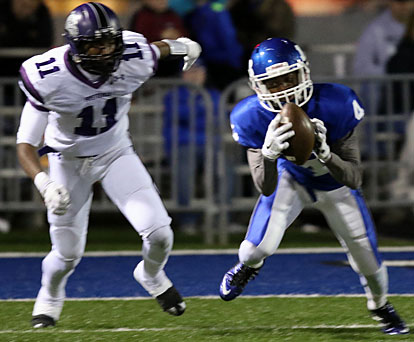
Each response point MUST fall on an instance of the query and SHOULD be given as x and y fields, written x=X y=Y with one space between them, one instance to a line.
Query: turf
x=319 y=319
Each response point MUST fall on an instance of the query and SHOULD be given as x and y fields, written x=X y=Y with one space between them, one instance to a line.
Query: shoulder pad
x=42 y=74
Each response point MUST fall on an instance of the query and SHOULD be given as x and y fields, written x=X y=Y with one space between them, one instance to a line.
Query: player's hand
x=321 y=148
x=193 y=52
x=276 y=138
x=55 y=196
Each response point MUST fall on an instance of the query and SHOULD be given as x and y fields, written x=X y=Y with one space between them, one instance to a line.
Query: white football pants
x=347 y=215
x=128 y=184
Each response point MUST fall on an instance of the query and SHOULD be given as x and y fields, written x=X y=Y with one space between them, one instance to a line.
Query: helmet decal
x=275 y=66
x=71 y=24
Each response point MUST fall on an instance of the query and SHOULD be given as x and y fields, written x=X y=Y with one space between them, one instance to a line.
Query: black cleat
x=171 y=302
x=392 y=323
x=42 y=321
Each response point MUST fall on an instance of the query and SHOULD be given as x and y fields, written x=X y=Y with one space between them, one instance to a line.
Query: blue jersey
x=336 y=105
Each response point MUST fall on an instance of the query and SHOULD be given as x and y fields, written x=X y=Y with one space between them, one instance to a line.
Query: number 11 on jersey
x=87 y=127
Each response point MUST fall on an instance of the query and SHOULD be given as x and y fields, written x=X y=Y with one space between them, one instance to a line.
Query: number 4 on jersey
x=358 y=110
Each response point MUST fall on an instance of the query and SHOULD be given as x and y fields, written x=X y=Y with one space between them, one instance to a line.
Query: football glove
x=193 y=52
x=276 y=138
x=185 y=47
x=322 y=150
x=55 y=196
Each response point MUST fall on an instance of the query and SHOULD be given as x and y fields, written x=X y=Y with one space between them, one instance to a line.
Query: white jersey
x=87 y=118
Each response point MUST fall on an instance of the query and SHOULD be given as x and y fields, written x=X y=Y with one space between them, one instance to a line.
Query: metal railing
x=219 y=181
x=331 y=59
x=147 y=117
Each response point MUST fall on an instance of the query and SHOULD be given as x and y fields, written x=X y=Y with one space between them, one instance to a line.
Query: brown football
x=301 y=144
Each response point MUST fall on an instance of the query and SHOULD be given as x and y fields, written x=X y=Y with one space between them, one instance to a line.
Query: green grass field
x=319 y=319
x=324 y=319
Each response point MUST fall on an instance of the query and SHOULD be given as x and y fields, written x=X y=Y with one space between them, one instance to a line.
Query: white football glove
x=193 y=52
x=321 y=148
x=55 y=196
x=275 y=141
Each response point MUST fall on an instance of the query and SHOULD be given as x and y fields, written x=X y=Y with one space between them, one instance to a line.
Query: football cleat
x=171 y=302
x=42 y=321
x=392 y=323
x=235 y=280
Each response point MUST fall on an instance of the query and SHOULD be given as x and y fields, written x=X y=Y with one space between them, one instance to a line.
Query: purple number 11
x=43 y=73
x=109 y=110
x=86 y=128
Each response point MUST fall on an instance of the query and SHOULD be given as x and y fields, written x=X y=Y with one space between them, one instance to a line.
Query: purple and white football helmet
x=273 y=58
x=94 y=25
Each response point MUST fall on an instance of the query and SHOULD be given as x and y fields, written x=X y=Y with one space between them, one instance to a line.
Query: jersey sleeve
x=245 y=128
x=42 y=77
x=32 y=126
x=139 y=58
x=343 y=119
x=30 y=84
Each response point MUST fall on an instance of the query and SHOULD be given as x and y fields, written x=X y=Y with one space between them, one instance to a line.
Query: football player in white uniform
x=78 y=97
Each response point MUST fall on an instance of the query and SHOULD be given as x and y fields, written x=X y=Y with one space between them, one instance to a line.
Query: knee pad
x=163 y=237
x=362 y=256
x=158 y=244
x=56 y=263
x=68 y=241
x=156 y=249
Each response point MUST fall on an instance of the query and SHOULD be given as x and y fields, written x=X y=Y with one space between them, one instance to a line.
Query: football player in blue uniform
x=329 y=181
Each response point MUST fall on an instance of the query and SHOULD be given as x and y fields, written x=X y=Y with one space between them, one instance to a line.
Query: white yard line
x=190 y=328
x=314 y=295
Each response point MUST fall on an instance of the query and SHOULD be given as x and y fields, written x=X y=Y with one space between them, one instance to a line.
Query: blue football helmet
x=94 y=34
x=273 y=58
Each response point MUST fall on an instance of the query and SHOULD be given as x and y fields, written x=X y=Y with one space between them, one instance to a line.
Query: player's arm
x=28 y=159
x=343 y=158
x=32 y=126
x=183 y=47
x=29 y=135
x=263 y=171
x=263 y=162
x=345 y=163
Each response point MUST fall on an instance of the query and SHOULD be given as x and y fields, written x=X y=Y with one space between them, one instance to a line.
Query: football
x=302 y=143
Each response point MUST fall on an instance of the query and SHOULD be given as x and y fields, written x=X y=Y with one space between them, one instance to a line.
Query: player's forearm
x=171 y=48
x=163 y=48
x=345 y=172
x=181 y=47
x=28 y=159
x=345 y=164
x=263 y=171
